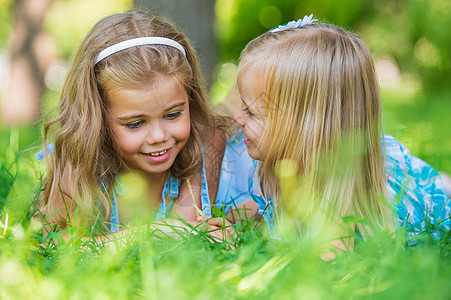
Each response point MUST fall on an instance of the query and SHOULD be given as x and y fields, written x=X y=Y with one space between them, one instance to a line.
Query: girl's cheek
x=127 y=141
x=183 y=129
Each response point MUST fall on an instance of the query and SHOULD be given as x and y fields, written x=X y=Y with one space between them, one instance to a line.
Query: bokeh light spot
x=269 y=16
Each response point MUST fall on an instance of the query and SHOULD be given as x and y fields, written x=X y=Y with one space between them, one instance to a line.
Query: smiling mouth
x=158 y=153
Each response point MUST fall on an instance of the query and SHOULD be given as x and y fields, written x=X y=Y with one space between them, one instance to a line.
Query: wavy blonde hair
x=84 y=150
x=323 y=113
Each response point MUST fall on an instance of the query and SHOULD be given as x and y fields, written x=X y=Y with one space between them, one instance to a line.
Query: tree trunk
x=29 y=60
x=195 y=18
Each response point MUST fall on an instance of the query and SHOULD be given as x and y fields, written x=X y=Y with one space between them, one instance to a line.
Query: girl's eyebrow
x=244 y=101
x=128 y=117
x=180 y=104
x=138 y=116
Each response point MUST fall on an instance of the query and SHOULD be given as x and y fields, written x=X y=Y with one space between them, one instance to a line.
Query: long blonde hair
x=84 y=149
x=323 y=113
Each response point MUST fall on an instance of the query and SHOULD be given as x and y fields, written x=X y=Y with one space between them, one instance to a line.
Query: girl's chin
x=254 y=153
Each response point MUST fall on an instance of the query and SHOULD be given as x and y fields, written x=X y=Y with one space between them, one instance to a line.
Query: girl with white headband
x=133 y=100
x=311 y=113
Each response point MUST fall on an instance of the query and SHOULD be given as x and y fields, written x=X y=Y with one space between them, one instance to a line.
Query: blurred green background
x=410 y=41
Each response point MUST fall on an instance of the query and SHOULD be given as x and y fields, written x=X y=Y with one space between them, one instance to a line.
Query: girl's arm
x=246 y=211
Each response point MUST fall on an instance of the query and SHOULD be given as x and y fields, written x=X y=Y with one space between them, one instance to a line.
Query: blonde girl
x=310 y=103
x=133 y=100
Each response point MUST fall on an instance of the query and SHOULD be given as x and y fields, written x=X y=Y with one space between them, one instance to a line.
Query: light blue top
x=415 y=188
x=236 y=163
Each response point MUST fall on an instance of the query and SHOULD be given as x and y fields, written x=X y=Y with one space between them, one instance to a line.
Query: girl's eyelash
x=134 y=125
x=169 y=116
x=248 y=112
x=173 y=115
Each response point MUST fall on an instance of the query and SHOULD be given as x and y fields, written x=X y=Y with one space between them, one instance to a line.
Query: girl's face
x=150 y=126
x=251 y=115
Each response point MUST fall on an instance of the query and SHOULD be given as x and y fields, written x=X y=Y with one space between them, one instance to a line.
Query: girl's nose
x=238 y=117
x=157 y=134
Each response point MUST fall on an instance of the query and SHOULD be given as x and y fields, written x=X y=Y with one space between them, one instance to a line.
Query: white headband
x=138 y=42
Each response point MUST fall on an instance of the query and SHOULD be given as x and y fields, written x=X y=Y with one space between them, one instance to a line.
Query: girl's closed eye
x=173 y=115
x=134 y=125
x=248 y=112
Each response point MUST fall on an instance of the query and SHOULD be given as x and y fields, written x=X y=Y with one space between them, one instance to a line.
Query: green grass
x=260 y=267
x=423 y=124
x=194 y=268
